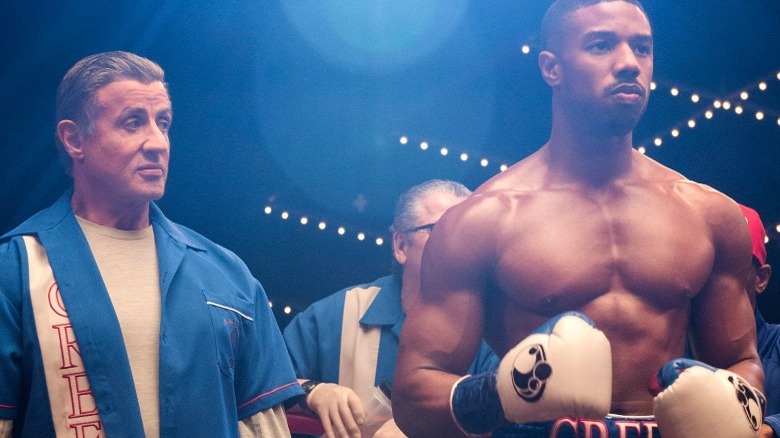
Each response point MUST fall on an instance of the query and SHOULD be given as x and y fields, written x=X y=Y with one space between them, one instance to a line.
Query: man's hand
x=339 y=409
x=389 y=430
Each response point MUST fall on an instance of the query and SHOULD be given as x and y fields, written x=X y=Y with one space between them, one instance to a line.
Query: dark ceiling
x=300 y=105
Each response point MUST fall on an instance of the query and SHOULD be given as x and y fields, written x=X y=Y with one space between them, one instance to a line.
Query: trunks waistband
x=613 y=426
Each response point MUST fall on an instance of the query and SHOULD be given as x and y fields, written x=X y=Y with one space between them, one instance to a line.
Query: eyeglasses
x=428 y=227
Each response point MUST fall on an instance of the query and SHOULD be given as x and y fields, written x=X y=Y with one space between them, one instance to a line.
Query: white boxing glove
x=696 y=400
x=563 y=369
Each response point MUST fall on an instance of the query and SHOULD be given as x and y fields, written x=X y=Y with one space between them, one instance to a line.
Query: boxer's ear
x=550 y=68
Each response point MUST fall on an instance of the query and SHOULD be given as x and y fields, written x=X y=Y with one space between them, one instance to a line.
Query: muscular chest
x=567 y=251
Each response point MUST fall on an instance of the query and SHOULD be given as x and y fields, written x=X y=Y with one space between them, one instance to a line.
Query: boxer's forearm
x=750 y=370
x=421 y=403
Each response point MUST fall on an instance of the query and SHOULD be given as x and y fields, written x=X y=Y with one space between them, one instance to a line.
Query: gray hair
x=554 y=19
x=76 y=92
x=409 y=209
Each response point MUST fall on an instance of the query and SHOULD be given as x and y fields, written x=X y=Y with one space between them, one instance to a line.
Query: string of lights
x=740 y=102
x=325 y=225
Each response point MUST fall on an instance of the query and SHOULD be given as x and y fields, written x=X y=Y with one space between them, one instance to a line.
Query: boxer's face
x=125 y=157
x=606 y=62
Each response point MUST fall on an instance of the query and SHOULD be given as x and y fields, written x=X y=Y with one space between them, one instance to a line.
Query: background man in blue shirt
x=350 y=339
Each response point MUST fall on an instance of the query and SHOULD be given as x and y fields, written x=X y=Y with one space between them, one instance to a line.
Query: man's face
x=409 y=246
x=124 y=159
x=606 y=58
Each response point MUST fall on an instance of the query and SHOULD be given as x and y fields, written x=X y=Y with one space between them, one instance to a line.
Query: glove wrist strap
x=475 y=404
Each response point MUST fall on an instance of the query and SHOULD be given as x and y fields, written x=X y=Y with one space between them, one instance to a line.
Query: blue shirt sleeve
x=300 y=335
x=268 y=376
x=11 y=282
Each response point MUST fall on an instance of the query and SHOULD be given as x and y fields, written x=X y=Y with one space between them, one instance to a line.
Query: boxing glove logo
x=530 y=373
x=753 y=402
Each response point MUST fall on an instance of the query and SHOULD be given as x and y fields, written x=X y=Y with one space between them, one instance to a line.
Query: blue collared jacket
x=222 y=356
x=313 y=337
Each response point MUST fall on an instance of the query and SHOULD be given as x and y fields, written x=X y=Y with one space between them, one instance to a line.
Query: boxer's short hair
x=554 y=21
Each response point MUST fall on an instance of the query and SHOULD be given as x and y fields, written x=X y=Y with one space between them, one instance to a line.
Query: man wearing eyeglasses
x=346 y=344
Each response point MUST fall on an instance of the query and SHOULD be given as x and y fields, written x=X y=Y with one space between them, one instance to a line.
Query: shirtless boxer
x=585 y=224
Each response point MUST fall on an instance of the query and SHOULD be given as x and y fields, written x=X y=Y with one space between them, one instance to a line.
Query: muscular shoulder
x=727 y=225
x=709 y=202
x=716 y=208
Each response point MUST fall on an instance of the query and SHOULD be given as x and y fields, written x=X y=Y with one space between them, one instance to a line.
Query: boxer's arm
x=723 y=328
x=443 y=327
x=431 y=358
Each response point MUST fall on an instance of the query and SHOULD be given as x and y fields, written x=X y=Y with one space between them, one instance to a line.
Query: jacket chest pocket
x=231 y=316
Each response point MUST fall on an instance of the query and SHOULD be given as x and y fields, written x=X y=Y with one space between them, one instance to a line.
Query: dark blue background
x=300 y=104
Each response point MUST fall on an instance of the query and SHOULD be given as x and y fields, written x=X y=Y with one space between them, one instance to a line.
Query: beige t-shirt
x=128 y=264
x=127 y=261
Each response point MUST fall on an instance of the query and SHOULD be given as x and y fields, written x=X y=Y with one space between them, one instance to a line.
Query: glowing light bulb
x=526 y=49
x=341 y=231
x=361 y=236
x=464 y=156
x=695 y=98
x=738 y=109
x=285 y=215
x=674 y=91
x=675 y=132
x=444 y=151
x=744 y=95
x=760 y=115
x=304 y=220
x=691 y=123
x=424 y=145
x=404 y=139
x=322 y=225
x=658 y=141
x=483 y=162
x=287 y=310
x=379 y=241
x=717 y=104
x=726 y=105
x=653 y=86
x=267 y=209
x=762 y=86
x=708 y=114
x=504 y=167
x=642 y=149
